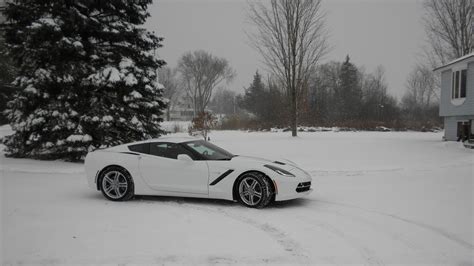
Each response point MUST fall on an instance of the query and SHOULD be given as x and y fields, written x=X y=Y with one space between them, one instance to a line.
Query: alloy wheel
x=250 y=191
x=114 y=184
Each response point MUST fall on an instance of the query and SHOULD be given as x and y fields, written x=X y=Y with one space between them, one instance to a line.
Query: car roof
x=166 y=139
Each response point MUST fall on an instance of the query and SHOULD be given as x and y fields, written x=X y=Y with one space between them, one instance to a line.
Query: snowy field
x=380 y=198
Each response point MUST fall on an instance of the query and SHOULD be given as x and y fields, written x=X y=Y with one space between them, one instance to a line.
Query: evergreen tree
x=7 y=75
x=254 y=97
x=348 y=94
x=87 y=75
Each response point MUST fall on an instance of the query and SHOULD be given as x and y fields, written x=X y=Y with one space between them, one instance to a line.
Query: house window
x=458 y=86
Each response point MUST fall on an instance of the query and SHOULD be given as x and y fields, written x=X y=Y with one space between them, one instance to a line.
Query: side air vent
x=302 y=187
x=222 y=176
x=280 y=163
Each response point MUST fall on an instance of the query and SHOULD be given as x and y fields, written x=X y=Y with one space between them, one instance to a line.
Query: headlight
x=280 y=171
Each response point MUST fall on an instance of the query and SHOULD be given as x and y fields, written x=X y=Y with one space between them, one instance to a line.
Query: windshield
x=208 y=151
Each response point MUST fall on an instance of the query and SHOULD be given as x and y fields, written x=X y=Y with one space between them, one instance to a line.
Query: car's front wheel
x=116 y=184
x=254 y=190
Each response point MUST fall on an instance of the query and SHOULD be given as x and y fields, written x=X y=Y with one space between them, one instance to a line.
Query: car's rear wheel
x=254 y=190
x=116 y=184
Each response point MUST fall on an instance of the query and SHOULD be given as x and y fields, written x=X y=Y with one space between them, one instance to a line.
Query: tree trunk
x=168 y=116
x=293 y=114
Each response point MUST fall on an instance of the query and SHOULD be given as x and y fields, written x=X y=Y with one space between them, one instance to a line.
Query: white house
x=457 y=98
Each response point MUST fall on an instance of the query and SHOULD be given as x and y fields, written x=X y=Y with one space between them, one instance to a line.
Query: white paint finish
x=170 y=175
x=155 y=175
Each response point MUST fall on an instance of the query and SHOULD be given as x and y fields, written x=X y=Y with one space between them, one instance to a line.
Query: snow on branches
x=86 y=77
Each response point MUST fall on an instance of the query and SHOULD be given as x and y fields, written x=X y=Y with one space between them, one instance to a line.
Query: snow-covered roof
x=459 y=60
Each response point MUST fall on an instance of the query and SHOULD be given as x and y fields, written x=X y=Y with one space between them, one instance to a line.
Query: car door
x=162 y=171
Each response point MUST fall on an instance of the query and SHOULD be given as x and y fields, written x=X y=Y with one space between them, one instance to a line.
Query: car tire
x=254 y=190
x=116 y=184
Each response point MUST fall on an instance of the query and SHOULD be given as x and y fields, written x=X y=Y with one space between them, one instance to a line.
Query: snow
x=112 y=73
x=159 y=86
x=136 y=94
x=135 y=121
x=31 y=89
x=126 y=63
x=106 y=118
x=130 y=80
x=79 y=138
x=37 y=121
x=47 y=21
x=77 y=44
x=43 y=74
x=380 y=198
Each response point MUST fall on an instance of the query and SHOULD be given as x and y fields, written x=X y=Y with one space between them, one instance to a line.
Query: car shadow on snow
x=300 y=202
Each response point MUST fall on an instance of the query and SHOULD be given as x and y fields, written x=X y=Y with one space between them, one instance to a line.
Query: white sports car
x=188 y=167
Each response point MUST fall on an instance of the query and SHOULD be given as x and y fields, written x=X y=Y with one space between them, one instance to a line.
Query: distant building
x=181 y=110
x=181 y=113
x=457 y=97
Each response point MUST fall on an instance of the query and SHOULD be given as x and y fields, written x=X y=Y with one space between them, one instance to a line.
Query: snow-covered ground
x=380 y=198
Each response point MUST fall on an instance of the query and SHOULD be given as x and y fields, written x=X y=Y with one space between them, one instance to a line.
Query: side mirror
x=184 y=158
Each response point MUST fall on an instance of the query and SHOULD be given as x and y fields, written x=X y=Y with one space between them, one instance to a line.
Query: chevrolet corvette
x=189 y=167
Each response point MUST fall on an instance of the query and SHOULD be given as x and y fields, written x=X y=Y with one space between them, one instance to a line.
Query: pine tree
x=7 y=75
x=349 y=93
x=87 y=74
x=254 y=97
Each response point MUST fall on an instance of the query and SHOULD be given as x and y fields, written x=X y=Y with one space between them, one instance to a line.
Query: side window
x=168 y=150
x=463 y=83
x=459 y=84
x=141 y=148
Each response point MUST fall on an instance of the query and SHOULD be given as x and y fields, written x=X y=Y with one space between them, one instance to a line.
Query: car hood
x=282 y=163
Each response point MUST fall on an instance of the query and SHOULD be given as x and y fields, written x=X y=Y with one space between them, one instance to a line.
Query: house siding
x=449 y=109
x=451 y=125
x=450 y=128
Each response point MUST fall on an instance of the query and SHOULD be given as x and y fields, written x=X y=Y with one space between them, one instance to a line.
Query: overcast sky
x=372 y=32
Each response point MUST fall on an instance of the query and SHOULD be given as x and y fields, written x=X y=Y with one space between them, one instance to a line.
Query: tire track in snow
x=351 y=172
x=436 y=230
x=288 y=244
x=367 y=254
x=395 y=236
x=367 y=223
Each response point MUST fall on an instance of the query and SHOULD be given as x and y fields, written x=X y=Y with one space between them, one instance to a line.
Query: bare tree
x=201 y=72
x=169 y=79
x=449 y=26
x=420 y=95
x=224 y=102
x=291 y=37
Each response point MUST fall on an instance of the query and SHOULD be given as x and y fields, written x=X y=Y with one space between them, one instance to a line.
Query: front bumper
x=293 y=187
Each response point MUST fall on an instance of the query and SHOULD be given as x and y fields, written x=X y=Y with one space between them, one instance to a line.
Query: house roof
x=460 y=59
